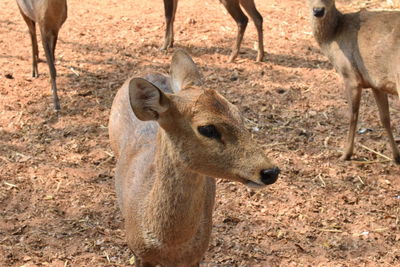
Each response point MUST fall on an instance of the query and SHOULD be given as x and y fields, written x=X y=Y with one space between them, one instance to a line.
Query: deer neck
x=324 y=30
x=176 y=201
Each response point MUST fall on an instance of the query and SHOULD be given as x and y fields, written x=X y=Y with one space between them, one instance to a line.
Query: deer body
x=364 y=48
x=233 y=8
x=157 y=224
x=164 y=169
x=50 y=16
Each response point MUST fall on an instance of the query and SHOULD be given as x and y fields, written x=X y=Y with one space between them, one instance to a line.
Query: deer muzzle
x=318 y=12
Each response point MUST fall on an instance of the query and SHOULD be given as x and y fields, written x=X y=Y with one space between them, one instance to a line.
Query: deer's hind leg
x=49 y=39
x=252 y=11
x=233 y=8
x=35 y=52
x=381 y=99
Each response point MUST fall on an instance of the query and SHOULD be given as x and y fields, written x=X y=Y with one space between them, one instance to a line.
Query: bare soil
x=57 y=199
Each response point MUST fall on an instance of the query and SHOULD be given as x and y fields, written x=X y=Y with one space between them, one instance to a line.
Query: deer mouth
x=267 y=177
x=251 y=184
x=254 y=185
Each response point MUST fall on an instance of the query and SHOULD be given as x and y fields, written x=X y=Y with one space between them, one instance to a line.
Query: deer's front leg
x=353 y=92
x=170 y=10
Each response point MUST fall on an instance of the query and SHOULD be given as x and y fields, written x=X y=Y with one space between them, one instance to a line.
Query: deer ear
x=147 y=101
x=184 y=71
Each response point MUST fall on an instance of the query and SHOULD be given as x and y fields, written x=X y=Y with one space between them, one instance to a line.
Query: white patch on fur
x=175 y=85
x=151 y=239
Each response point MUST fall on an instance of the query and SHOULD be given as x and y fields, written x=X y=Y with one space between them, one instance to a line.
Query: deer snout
x=318 y=12
x=269 y=176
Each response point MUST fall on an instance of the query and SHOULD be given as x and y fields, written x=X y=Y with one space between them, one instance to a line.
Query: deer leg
x=35 y=52
x=354 y=97
x=49 y=37
x=398 y=83
x=252 y=11
x=170 y=10
x=54 y=44
x=233 y=8
x=381 y=99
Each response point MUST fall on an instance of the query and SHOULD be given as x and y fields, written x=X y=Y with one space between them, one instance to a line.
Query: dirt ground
x=57 y=199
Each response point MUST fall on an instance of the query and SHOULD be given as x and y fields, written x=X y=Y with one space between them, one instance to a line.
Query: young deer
x=233 y=8
x=50 y=15
x=364 y=48
x=170 y=147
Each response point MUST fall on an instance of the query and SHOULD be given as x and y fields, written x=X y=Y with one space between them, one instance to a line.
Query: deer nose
x=318 y=11
x=269 y=176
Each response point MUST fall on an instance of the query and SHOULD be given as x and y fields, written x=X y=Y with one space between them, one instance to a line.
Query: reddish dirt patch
x=57 y=201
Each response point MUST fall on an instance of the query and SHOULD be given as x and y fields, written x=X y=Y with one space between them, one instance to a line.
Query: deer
x=393 y=3
x=50 y=16
x=364 y=48
x=233 y=8
x=172 y=137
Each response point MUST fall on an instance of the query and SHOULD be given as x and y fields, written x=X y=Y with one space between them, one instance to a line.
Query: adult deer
x=233 y=8
x=170 y=147
x=364 y=48
x=50 y=15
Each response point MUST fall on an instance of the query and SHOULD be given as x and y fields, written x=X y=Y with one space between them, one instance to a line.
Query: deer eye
x=209 y=131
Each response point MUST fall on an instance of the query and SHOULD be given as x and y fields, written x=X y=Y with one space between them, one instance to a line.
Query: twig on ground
x=74 y=71
x=109 y=153
x=274 y=144
x=359 y=178
x=10 y=185
x=329 y=230
x=376 y=152
x=5 y=159
x=371 y=161
x=322 y=180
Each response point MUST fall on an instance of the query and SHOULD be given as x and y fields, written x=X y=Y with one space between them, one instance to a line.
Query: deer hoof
x=232 y=58
x=396 y=159
x=57 y=106
x=260 y=57
x=166 y=46
x=346 y=156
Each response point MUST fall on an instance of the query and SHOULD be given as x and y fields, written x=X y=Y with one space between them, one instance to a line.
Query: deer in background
x=50 y=15
x=364 y=48
x=172 y=138
x=233 y=8
x=393 y=3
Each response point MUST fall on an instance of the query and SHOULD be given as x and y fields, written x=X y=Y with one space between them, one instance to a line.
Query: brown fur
x=233 y=8
x=50 y=15
x=364 y=48
x=165 y=171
